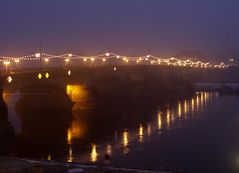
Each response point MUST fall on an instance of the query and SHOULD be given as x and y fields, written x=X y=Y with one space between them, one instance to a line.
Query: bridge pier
x=3 y=106
x=6 y=129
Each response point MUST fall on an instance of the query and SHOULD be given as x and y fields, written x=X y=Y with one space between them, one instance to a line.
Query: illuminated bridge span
x=44 y=59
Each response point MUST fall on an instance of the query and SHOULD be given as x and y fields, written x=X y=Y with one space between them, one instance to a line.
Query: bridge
x=120 y=74
x=41 y=61
x=44 y=59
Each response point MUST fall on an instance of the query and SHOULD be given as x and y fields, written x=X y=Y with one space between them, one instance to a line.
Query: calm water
x=197 y=134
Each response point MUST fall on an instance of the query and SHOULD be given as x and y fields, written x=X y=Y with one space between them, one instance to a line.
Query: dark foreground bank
x=20 y=165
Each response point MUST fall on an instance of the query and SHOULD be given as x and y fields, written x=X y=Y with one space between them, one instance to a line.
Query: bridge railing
x=43 y=60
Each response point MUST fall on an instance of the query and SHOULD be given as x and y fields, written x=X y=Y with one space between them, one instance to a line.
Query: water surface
x=197 y=133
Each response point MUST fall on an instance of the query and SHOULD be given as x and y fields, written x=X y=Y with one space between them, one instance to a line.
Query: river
x=197 y=134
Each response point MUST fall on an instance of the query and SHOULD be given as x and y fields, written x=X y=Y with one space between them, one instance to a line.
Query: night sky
x=130 y=27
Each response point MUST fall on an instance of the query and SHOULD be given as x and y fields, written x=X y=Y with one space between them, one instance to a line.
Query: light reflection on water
x=108 y=149
x=141 y=133
x=192 y=105
x=149 y=130
x=70 y=155
x=159 y=121
x=125 y=142
x=166 y=119
x=74 y=132
x=93 y=154
x=179 y=109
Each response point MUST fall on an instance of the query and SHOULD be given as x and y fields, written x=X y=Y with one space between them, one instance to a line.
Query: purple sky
x=131 y=27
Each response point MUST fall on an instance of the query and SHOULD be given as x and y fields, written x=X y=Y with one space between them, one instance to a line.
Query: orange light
x=159 y=121
x=17 y=60
x=93 y=154
x=69 y=136
x=141 y=133
x=125 y=139
x=46 y=60
x=49 y=157
x=6 y=63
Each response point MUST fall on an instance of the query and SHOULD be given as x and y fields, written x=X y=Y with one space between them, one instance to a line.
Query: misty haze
x=119 y=86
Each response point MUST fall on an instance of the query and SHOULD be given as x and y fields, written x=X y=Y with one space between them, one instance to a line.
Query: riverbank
x=20 y=165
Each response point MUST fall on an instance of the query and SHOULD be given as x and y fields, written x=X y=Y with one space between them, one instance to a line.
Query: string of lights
x=147 y=59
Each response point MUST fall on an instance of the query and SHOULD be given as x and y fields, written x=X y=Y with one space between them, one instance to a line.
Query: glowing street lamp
x=38 y=55
x=46 y=60
x=67 y=60
x=92 y=59
x=17 y=61
x=103 y=59
x=107 y=54
x=70 y=55
x=85 y=59
x=6 y=63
